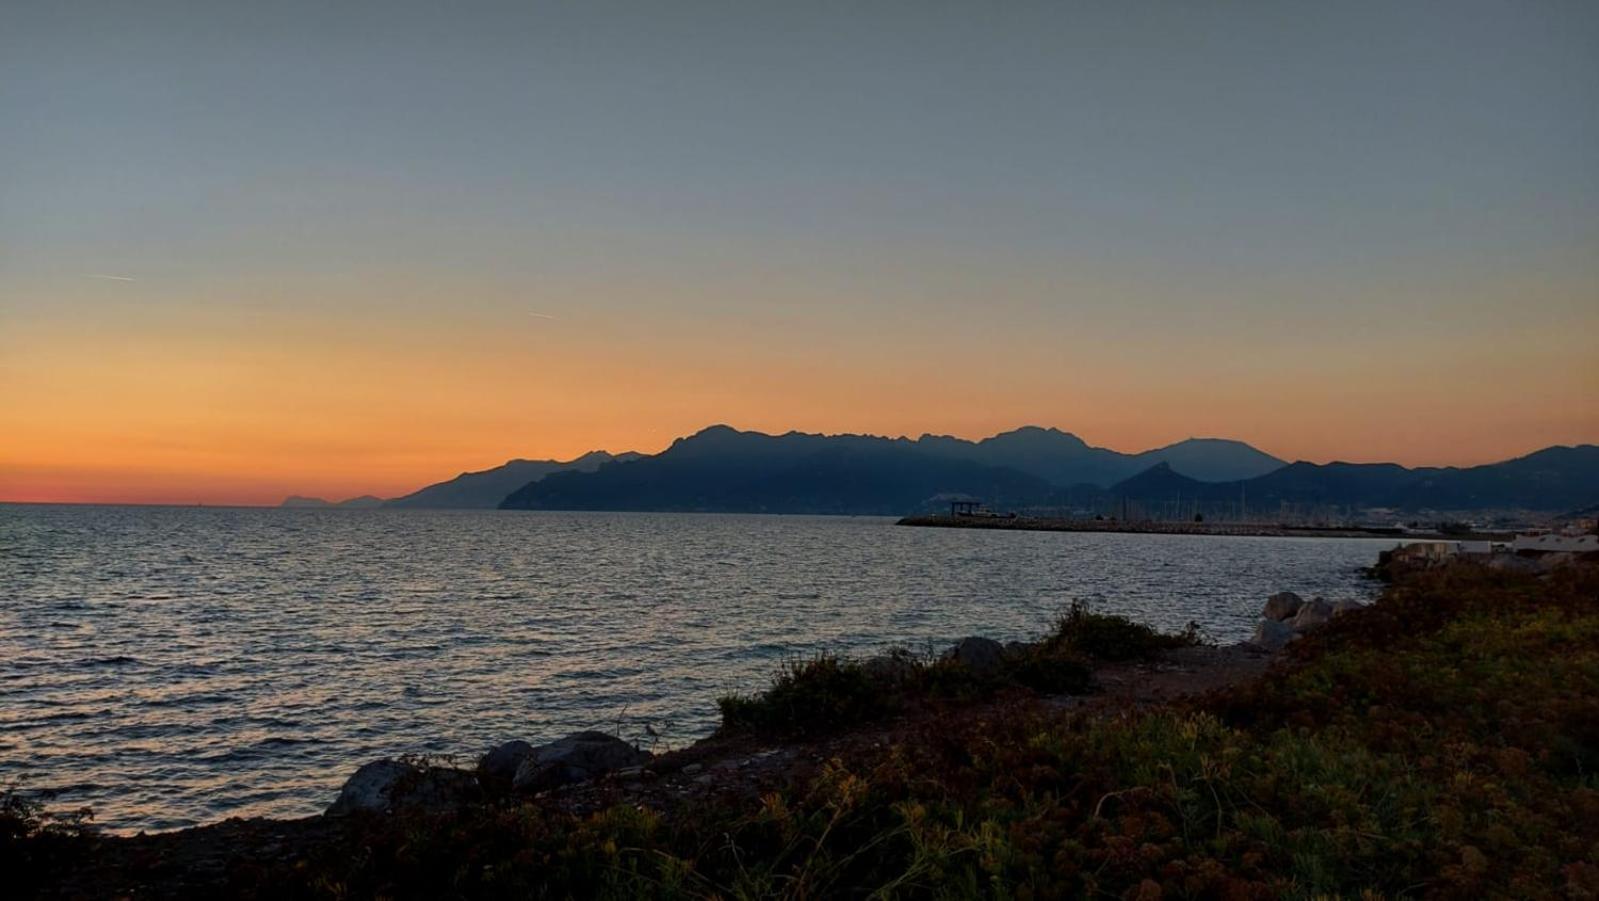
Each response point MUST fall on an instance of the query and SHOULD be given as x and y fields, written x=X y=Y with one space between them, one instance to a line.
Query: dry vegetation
x=1441 y=743
x=827 y=693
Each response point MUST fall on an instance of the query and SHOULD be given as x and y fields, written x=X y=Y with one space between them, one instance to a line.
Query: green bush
x=1440 y=743
x=828 y=692
x=1050 y=669
x=34 y=841
x=1110 y=638
x=819 y=693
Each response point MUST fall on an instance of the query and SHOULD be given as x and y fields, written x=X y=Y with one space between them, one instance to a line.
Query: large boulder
x=1549 y=562
x=386 y=785
x=1513 y=563
x=1282 y=606
x=980 y=655
x=893 y=667
x=1312 y=615
x=1346 y=606
x=1272 y=635
x=576 y=758
x=1019 y=649
x=496 y=770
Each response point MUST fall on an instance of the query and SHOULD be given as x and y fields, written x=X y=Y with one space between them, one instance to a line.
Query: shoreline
x=197 y=861
x=1058 y=776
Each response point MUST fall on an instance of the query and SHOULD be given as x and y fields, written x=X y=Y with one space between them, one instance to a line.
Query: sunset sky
x=248 y=250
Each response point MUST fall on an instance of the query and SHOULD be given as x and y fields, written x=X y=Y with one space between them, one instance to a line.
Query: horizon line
x=333 y=504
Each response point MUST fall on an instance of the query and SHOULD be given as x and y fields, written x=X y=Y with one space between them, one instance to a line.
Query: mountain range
x=721 y=469
x=1065 y=459
x=1552 y=479
x=1054 y=456
x=485 y=489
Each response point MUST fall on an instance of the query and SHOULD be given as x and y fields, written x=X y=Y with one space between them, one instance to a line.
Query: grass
x=1105 y=637
x=34 y=841
x=818 y=694
x=1443 y=743
x=825 y=693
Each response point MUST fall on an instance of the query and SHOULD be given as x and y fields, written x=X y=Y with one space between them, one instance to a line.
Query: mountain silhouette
x=300 y=500
x=1159 y=481
x=722 y=469
x=485 y=489
x=1553 y=479
x=364 y=502
x=1065 y=459
x=1210 y=459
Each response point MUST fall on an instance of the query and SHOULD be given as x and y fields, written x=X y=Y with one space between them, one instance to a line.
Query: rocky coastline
x=590 y=771
x=1261 y=694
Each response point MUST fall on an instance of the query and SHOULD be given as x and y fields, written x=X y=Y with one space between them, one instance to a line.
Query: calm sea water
x=174 y=666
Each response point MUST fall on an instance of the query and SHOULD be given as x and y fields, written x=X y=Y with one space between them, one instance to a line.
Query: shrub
x=1103 y=636
x=1050 y=669
x=828 y=692
x=33 y=840
x=809 y=695
x=1405 y=749
x=1442 y=743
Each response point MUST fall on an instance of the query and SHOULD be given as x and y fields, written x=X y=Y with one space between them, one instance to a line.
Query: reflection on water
x=172 y=666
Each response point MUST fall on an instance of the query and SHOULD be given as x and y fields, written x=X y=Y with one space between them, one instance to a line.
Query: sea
x=170 y=666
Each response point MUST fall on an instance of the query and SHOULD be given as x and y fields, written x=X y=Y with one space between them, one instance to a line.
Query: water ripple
x=174 y=666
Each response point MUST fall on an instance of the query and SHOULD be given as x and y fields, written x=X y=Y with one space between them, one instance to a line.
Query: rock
x=1345 y=606
x=370 y=787
x=1272 y=635
x=1282 y=606
x=693 y=768
x=496 y=770
x=385 y=785
x=1549 y=562
x=980 y=655
x=576 y=758
x=1020 y=648
x=1311 y=616
x=1513 y=563
x=894 y=666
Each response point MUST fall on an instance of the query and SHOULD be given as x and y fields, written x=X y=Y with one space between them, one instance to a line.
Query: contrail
x=541 y=315
x=110 y=278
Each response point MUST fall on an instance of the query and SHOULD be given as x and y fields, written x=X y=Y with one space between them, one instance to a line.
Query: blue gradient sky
x=379 y=243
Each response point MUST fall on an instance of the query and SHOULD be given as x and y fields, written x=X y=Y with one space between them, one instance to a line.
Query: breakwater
x=1259 y=530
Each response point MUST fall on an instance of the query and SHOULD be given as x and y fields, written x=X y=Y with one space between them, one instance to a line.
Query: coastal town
x=1429 y=532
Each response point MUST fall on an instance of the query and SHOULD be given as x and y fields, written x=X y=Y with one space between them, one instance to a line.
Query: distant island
x=485 y=489
x=1046 y=471
x=480 y=490
x=364 y=502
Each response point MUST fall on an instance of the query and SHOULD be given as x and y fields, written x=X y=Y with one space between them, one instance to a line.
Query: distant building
x=1439 y=551
x=1431 y=550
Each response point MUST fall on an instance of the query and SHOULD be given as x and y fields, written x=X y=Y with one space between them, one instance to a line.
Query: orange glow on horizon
x=205 y=405
x=247 y=256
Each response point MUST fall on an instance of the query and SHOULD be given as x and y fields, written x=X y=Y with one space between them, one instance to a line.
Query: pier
x=1161 y=527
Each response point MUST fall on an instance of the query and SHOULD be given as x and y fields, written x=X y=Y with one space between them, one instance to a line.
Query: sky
x=249 y=250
